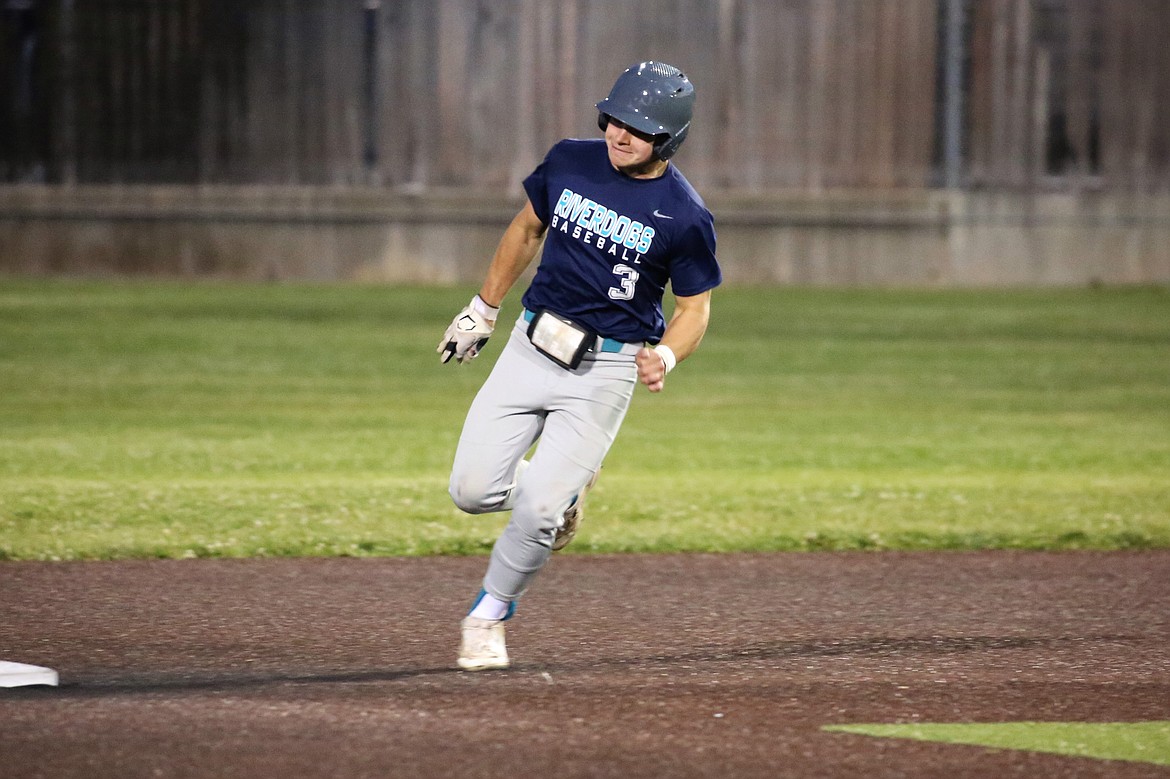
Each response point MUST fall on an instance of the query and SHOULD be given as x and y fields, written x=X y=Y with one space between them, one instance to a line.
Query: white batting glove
x=468 y=332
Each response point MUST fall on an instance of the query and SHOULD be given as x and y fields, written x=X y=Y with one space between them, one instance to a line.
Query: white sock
x=490 y=607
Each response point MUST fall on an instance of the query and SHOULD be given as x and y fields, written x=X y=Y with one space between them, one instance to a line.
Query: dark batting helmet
x=654 y=98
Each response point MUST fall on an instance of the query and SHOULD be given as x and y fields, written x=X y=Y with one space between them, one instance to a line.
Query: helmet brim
x=632 y=118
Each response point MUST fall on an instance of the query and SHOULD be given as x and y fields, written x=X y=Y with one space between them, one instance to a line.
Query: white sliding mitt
x=468 y=331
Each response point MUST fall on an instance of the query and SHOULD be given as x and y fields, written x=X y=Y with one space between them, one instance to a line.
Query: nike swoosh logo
x=661 y=215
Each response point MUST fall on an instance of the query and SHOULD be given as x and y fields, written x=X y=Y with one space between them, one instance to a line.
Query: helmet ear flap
x=666 y=148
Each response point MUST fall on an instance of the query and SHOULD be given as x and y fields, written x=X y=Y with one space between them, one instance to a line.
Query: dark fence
x=426 y=95
x=1070 y=93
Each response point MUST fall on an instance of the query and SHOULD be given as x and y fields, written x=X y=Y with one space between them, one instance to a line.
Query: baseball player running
x=618 y=222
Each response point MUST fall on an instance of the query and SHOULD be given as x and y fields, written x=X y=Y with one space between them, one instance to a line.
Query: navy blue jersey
x=613 y=242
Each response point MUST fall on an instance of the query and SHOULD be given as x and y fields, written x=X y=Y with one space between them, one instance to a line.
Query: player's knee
x=471 y=497
x=535 y=515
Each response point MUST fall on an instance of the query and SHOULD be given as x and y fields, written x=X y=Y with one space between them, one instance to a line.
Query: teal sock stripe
x=482 y=592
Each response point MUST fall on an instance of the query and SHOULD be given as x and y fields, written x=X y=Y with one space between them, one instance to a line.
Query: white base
x=21 y=675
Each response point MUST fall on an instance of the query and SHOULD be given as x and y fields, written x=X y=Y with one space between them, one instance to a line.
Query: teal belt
x=602 y=345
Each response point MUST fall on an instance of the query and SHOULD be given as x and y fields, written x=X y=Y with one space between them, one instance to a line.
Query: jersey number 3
x=627 y=277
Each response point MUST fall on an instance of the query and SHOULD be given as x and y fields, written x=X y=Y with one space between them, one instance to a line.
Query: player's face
x=631 y=151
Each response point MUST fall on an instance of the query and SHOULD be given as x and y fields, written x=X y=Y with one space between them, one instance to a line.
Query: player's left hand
x=465 y=336
x=651 y=369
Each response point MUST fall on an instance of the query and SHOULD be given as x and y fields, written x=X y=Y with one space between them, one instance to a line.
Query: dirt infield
x=625 y=666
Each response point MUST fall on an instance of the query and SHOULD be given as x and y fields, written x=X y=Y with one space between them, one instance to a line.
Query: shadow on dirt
x=932 y=646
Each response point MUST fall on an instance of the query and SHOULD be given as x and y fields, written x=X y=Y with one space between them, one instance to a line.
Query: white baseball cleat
x=571 y=521
x=482 y=647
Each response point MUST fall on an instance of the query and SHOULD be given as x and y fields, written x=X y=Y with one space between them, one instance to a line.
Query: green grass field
x=167 y=419
x=1142 y=742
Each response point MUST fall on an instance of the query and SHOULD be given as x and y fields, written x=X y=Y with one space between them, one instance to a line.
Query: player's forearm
x=687 y=325
x=515 y=252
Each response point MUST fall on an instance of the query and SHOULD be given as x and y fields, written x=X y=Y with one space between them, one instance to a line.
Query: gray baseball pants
x=574 y=414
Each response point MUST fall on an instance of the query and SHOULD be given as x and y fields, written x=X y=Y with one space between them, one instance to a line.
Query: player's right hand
x=465 y=336
x=651 y=369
